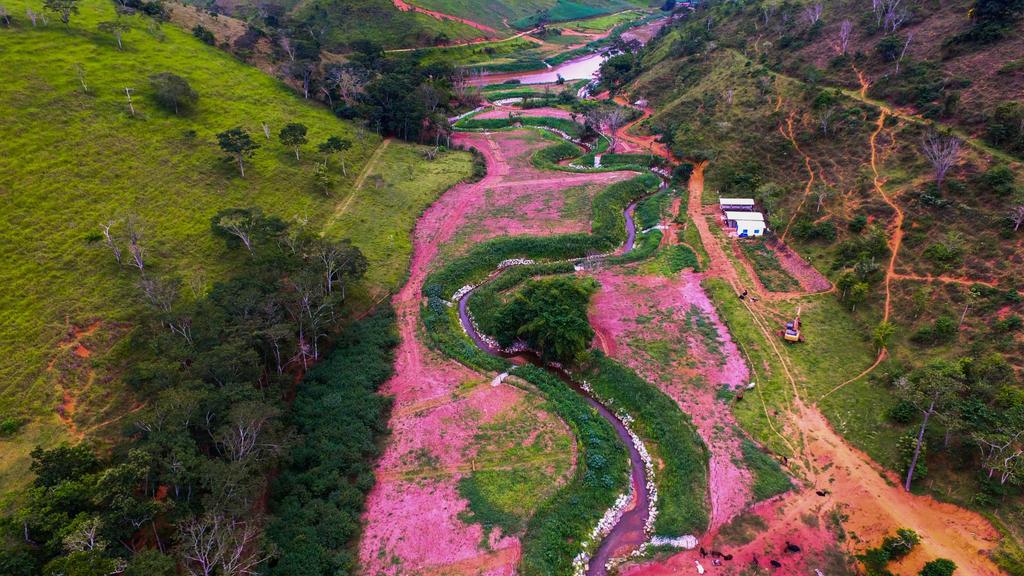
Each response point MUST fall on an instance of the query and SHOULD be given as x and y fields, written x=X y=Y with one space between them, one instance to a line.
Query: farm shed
x=736 y=204
x=746 y=223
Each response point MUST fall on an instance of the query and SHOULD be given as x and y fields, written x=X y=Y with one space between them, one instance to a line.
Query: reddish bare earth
x=504 y=111
x=412 y=516
x=652 y=321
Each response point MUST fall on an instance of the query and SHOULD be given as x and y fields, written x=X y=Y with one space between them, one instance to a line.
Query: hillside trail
x=406 y=7
x=358 y=184
x=789 y=134
x=873 y=498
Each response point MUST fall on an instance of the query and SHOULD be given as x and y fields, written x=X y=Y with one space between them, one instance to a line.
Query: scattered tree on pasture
x=812 y=13
x=116 y=28
x=336 y=145
x=293 y=135
x=173 y=92
x=134 y=228
x=245 y=226
x=323 y=180
x=239 y=145
x=63 y=8
x=108 y=239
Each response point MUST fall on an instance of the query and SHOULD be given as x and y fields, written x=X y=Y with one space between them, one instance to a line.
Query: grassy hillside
x=74 y=158
x=944 y=73
x=342 y=22
x=842 y=174
x=523 y=13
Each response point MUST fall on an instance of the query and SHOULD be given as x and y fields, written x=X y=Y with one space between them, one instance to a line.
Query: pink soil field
x=618 y=304
x=503 y=112
x=532 y=194
x=413 y=525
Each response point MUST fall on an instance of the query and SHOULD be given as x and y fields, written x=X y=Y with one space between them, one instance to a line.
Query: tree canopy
x=550 y=316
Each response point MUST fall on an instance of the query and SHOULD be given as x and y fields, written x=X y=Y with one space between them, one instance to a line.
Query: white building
x=747 y=224
x=736 y=204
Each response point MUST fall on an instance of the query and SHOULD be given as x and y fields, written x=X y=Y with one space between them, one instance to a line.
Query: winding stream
x=629 y=531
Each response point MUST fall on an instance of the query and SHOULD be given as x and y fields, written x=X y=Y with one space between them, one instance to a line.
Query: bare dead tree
x=32 y=15
x=903 y=52
x=4 y=15
x=895 y=15
x=108 y=239
x=134 y=229
x=812 y=14
x=615 y=119
x=729 y=94
x=243 y=437
x=878 y=10
x=286 y=45
x=767 y=11
x=845 y=28
x=1002 y=452
x=81 y=77
x=1017 y=216
x=942 y=151
x=825 y=118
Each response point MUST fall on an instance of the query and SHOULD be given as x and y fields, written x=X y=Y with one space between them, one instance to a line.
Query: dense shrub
x=903 y=412
x=317 y=500
x=939 y=567
x=550 y=316
x=1005 y=128
x=941 y=331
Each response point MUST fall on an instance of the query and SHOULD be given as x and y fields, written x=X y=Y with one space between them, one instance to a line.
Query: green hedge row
x=319 y=496
x=683 y=480
x=554 y=533
x=568 y=126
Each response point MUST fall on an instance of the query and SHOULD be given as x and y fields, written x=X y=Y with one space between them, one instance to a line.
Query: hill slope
x=74 y=158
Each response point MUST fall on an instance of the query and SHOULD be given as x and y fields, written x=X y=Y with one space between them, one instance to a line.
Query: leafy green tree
x=883 y=333
x=323 y=179
x=550 y=316
x=1005 y=128
x=151 y=563
x=173 y=92
x=64 y=462
x=932 y=389
x=293 y=135
x=116 y=28
x=336 y=145
x=239 y=144
x=64 y=8
x=858 y=293
x=940 y=567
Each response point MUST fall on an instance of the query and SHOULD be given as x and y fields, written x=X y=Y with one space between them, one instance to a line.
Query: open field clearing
x=83 y=160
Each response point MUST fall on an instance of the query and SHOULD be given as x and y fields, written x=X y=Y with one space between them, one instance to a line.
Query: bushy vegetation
x=338 y=418
x=549 y=316
x=769 y=479
x=682 y=482
x=195 y=458
x=767 y=267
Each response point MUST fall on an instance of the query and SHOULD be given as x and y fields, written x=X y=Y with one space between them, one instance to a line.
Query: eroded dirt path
x=871 y=498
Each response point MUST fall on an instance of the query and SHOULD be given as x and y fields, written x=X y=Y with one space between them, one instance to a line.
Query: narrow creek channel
x=629 y=531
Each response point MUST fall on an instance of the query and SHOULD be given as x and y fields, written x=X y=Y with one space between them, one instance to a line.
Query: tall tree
x=64 y=8
x=239 y=144
x=293 y=135
x=336 y=145
x=933 y=390
x=116 y=28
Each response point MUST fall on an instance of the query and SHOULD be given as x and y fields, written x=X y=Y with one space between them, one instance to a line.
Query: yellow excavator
x=792 y=331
